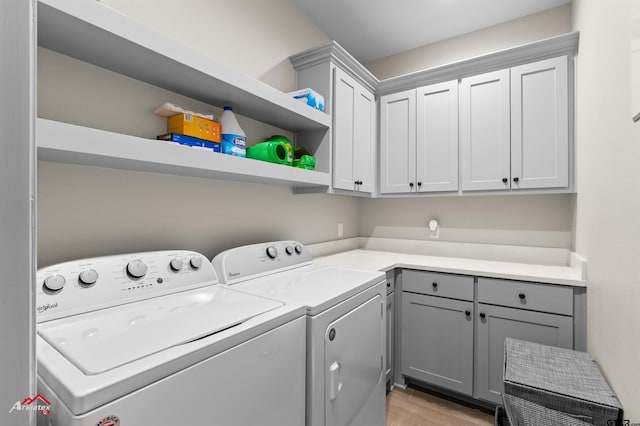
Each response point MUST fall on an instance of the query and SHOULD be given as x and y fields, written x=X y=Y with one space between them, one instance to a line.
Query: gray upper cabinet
x=484 y=131
x=501 y=122
x=540 y=125
x=353 y=134
x=419 y=139
x=437 y=137
x=397 y=142
x=514 y=128
x=365 y=141
x=349 y=92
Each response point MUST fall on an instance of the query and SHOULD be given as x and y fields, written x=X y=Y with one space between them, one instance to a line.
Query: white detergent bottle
x=234 y=140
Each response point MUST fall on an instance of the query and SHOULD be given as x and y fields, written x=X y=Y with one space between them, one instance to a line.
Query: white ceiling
x=374 y=29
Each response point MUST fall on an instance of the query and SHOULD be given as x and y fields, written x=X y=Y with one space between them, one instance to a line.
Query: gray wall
x=17 y=242
x=253 y=36
x=528 y=29
x=522 y=220
x=173 y=212
x=608 y=199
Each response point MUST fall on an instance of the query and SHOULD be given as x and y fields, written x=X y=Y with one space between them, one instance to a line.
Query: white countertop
x=386 y=260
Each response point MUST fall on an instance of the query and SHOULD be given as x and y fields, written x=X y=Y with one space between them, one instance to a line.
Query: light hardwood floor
x=411 y=407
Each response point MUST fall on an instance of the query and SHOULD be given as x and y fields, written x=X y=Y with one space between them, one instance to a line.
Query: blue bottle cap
x=228 y=108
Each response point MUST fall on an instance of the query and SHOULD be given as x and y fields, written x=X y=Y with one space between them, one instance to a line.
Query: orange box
x=192 y=125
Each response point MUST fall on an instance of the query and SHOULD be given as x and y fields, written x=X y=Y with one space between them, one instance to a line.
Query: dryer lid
x=316 y=287
x=102 y=340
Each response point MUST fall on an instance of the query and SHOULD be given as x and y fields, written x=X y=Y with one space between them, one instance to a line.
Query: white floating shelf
x=92 y=32
x=68 y=143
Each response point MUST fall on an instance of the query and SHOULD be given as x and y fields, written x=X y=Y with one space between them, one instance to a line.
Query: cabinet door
x=364 y=138
x=437 y=137
x=345 y=91
x=390 y=341
x=484 y=131
x=540 y=125
x=398 y=142
x=498 y=324
x=437 y=341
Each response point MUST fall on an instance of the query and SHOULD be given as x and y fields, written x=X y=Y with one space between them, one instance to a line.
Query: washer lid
x=102 y=340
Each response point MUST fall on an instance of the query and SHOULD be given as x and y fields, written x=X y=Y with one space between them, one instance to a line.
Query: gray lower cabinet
x=390 y=325
x=539 y=313
x=437 y=332
x=454 y=327
x=496 y=323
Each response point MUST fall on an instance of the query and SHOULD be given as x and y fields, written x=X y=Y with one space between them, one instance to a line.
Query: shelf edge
x=73 y=144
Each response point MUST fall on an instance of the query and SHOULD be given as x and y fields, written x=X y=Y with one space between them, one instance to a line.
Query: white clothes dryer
x=152 y=339
x=346 y=326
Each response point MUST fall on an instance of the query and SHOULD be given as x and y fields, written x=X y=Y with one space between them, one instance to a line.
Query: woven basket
x=526 y=413
x=561 y=380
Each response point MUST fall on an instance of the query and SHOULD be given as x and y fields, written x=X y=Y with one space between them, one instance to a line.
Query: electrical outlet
x=434 y=227
x=340 y=230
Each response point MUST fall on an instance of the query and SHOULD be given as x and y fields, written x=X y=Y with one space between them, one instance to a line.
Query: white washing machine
x=346 y=326
x=152 y=339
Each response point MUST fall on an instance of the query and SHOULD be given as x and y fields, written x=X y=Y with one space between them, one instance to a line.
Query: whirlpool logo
x=46 y=307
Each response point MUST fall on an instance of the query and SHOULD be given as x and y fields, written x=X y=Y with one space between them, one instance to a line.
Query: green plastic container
x=288 y=144
x=271 y=151
x=307 y=162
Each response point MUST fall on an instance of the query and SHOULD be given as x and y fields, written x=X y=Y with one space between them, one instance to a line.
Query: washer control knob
x=195 y=262
x=88 y=277
x=136 y=268
x=54 y=282
x=176 y=264
x=289 y=250
x=298 y=249
x=272 y=252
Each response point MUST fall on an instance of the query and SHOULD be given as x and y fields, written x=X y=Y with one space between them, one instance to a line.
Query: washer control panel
x=246 y=262
x=85 y=285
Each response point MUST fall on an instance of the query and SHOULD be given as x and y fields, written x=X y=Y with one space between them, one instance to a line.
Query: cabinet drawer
x=438 y=284
x=526 y=295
